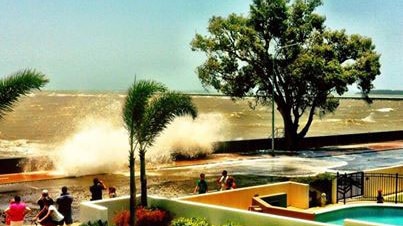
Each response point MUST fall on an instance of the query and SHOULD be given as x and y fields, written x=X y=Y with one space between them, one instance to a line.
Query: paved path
x=23 y=177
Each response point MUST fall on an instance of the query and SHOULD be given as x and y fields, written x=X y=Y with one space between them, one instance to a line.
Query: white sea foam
x=369 y=118
x=101 y=147
x=385 y=109
x=333 y=120
x=97 y=147
x=188 y=137
x=269 y=166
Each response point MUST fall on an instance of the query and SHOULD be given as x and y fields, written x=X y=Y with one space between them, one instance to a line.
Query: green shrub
x=194 y=221
x=320 y=177
x=230 y=223
x=95 y=223
x=197 y=221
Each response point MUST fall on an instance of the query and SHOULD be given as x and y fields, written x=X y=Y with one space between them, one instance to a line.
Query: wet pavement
x=178 y=179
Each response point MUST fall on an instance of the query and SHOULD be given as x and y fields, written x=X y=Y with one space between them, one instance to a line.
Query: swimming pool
x=384 y=214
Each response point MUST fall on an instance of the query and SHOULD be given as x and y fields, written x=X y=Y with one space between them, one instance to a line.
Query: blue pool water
x=375 y=214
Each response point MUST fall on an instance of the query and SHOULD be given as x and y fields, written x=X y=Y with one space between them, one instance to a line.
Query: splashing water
x=97 y=147
x=188 y=137
x=102 y=147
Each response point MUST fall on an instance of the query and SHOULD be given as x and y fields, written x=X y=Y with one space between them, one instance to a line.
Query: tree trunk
x=143 y=178
x=290 y=133
x=132 y=219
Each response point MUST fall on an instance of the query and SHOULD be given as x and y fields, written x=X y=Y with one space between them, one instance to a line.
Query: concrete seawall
x=18 y=164
x=308 y=142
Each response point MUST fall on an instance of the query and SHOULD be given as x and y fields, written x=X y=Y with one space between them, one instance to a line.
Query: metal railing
x=369 y=185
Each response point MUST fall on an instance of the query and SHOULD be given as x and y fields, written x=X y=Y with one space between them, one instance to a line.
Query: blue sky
x=103 y=45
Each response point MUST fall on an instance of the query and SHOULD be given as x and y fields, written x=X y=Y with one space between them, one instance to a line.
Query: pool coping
x=356 y=204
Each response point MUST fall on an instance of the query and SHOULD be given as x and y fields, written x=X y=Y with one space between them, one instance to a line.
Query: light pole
x=272 y=91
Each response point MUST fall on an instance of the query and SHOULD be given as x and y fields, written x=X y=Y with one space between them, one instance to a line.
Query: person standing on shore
x=44 y=195
x=6 y=217
x=96 y=189
x=222 y=181
x=17 y=211
x=201 y=186
x=41 y=200
x=64 y=202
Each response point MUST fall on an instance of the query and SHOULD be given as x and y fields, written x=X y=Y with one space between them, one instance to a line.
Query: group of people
x=224 y=182
x=97 y=187
x=51 y=213
x=48 y=214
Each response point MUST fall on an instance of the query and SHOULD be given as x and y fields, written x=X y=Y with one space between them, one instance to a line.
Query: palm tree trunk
x=143 y=178
x=132 y=189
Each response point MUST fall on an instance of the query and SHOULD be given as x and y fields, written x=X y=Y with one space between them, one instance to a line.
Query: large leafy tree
x=148 y=109
x=282 y=51
x=16 y=85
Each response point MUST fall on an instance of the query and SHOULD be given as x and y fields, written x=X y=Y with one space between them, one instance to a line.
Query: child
x=112 y=192
x=230 y=183
x=379 y=198
x=201 y=186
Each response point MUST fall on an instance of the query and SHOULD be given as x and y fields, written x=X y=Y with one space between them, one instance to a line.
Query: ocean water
x=77 y=129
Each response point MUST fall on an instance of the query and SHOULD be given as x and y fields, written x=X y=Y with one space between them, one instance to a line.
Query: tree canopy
x=283 y=47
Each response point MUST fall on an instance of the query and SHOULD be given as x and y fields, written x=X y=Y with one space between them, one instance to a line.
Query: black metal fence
x=349 y=185
x=366 y=186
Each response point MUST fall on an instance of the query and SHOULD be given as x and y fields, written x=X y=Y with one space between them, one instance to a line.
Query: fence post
x=344 y=188
x=337 y=187
x=396 y=187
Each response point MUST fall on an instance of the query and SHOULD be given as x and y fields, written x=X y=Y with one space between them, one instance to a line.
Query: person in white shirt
x=52 y=216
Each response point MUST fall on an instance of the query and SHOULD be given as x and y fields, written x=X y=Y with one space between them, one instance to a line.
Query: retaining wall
x=217 y=215
x=308 y=142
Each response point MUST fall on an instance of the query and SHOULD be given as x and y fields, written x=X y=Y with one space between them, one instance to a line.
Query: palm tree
x=148 y=109
x=16 y=85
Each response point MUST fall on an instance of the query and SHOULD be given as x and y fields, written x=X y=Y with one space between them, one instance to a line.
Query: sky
x=105 y=45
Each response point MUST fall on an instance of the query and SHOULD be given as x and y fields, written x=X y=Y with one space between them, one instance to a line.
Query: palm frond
x=136 y=102
x=18 y=84
x=162 y=110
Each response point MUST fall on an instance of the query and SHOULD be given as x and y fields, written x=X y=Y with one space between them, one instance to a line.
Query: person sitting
x=379 y=198
x=51 y=216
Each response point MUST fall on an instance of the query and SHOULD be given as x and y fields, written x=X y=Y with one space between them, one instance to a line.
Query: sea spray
x=100 y=146
x=188 y=137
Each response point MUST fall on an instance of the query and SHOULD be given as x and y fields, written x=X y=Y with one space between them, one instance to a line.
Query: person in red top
x=17 y=211
x=6 y=217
